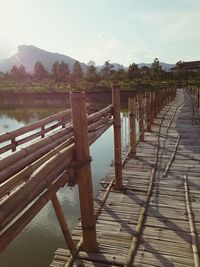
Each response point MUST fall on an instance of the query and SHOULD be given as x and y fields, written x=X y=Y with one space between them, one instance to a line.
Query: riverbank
x=51 y=99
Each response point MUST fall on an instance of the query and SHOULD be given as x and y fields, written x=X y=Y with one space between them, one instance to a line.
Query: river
x=36 y=244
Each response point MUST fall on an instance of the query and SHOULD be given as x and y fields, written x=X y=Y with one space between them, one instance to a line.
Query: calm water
x=35 y=246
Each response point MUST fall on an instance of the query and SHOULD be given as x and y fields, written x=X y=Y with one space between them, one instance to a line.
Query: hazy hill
x=165 y=66
x=116 y=66
x=28 y=55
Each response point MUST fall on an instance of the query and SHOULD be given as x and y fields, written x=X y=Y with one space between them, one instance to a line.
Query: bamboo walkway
x=155 y=220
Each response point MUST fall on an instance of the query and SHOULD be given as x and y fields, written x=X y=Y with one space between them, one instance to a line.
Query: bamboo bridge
x=147 y=212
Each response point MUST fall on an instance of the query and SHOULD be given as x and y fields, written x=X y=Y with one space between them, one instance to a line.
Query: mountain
x=28 y=55
x=116 y=66
x=165 y=66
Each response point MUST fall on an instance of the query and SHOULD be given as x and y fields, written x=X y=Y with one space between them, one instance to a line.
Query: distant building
x=187 y=66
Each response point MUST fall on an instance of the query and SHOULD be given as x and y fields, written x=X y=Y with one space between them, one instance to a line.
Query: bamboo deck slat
x=165 y=235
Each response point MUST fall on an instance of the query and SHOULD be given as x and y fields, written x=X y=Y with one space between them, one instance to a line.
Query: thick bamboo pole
x=152 y=107
x=59 y=116
x=141 y=117
x=132 y=127
x=63 y=224
x=148 y=99
x=21 y=222
x=117 y=137
x=83 y=171
x=40 y=180
x=156 y=104
x=159 y=101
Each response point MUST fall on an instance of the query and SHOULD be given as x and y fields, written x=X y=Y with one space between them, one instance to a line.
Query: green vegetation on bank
x=61 y=78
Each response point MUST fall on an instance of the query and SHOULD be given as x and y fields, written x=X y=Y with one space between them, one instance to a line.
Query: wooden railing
x=30 y=177
x=195 y=92
x=32 y=131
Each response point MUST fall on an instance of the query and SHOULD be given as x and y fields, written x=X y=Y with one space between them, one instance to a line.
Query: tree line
x=92 y=77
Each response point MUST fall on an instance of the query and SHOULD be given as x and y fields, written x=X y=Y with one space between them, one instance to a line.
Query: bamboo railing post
x=155 y=104
x=13 y=142
x=42 y=130
x=141 y=117
x=152 y=107
x=63 y=224
x=163 y=99
x=159 y=101
x=132 y=127
x=83 y=171
x=148 y=98
x=117 y=137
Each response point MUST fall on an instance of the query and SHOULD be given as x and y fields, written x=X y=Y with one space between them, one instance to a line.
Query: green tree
x=22 y=73
x=181 y=72
x=55 y=70
x=156 y=69
x=133 y=72
x=91 y=73
x=60 y=71
x=120 y=74
x=107 y=71
x=19 y=73
x=14 y=72
x=145 y=73
x=77 y=72
x=40 y=73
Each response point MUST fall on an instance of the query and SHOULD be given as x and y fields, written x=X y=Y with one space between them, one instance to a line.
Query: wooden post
x=63 y=224
x=83 y=170
x=155 y=104
x=13 y=142
x=159 y=101
x=42 y=130
x=141 y=117
x=152 y=107
x=132 y=127
x=162 y=99
x=117 y=137
x=148 y=99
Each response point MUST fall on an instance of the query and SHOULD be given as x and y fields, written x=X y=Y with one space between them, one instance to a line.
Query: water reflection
x=25 y=115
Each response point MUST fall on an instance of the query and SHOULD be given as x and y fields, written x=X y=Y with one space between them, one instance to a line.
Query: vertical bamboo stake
x=159 y=101
x=168 y=95
x=155 y=104
x=141 y=117
x=83 y=172
x=132 y=127
x=13 y=142
x=42 y=130
x=63 y=224
x=162 y=99
x=148 y=98
x=117 y=137
x=152 y=106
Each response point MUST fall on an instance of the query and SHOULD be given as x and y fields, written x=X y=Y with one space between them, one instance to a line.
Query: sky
x=122 y=31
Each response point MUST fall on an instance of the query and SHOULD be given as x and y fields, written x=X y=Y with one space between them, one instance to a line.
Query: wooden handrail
x=35 y=125
x=33 y=175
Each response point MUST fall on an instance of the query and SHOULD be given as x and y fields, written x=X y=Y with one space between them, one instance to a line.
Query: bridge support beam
x=83 y=170
x=117 y=137
x=132 y=128
x=141 y=117
x=148 y=99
